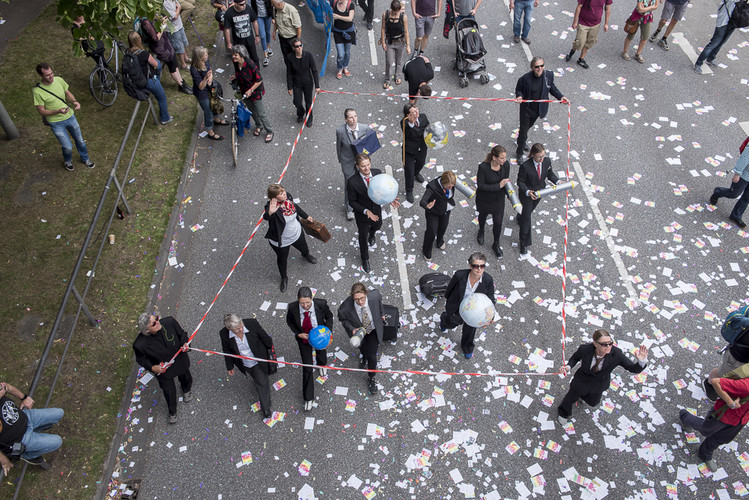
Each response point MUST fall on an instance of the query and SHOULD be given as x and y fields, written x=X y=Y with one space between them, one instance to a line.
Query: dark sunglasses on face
x=155 y=320
x=605 y=344
x=538 y=66
x=298 y=46
x=478 y=266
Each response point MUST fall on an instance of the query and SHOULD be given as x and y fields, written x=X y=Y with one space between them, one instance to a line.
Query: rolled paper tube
x=357 y=337
x=463 y=188
x=555 y=189
x=512 y=192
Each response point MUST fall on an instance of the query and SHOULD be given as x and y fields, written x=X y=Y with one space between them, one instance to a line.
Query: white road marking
x=372 y=47
x=399 y=254
x=689 y=50
x=526 y=47
x=615 y=255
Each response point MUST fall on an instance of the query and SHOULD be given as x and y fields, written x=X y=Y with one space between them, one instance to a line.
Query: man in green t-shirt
x=51 y=98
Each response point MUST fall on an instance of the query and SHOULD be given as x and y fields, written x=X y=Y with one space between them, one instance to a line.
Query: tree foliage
x=104 y=16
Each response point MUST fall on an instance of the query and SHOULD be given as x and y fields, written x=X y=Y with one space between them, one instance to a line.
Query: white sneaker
x=562 y=421
x=323 y=372
x=350 y=215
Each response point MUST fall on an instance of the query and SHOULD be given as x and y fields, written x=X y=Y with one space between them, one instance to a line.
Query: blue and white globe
x=477 y=310
x=319 y=337
x=383 y=189
x=435 y=135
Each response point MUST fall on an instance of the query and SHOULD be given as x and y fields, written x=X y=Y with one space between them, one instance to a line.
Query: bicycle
x=234 y=121
x=103 y=81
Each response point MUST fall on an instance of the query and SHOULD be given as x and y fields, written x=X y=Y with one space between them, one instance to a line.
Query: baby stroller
x=470 y=52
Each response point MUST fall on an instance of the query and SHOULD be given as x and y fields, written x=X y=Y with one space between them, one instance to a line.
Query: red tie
x=306 y=322
x=538 y=169
x=367 y=179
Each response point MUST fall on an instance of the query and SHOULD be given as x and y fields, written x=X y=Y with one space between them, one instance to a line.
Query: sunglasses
x=298 y=46
x=605 y=344
x=155 y=320
x=538 y=66
x=478 y=266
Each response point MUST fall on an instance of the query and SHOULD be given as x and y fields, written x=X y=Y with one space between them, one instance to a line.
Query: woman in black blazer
x=494 y=173
x=284 y=229
x=437 y=202
x=597 y=361
x=414 y=147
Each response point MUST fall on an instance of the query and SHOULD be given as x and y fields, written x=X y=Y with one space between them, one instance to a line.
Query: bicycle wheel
x=234 y=143
x=103 y=85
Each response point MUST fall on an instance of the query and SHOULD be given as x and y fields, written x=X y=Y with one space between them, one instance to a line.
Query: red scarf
x=287 y=208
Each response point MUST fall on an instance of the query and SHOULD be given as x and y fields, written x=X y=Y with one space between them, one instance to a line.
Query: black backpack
x=133 y=80
x=740 y=15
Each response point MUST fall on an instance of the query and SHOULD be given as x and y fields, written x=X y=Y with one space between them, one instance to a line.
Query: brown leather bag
x=316 y=230
x=631 y=26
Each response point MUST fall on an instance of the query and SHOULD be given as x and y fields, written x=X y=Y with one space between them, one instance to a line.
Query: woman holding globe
x=303 y=316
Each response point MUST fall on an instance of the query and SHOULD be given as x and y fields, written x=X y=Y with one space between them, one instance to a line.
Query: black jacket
x=350 y=319
x=434 y=191
x=358 y=196
x=489 y=196
x=528 y=177
x=413 y=137
x=301 y=72
x=525 y=85
x=598 y=382
x=416 y=72
x=258 y=340
x=151 y=350
x=457 y=287
x=277 y=222
x=322 y=312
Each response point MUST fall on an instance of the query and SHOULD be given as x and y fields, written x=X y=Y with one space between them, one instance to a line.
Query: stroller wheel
x=484 y=79
x=463 y=82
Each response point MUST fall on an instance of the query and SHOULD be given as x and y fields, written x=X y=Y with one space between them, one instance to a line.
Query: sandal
x=216 y=137
x=346 y=72
x=220 y=122
x=256 y=132
x=339 y=75
x=398 y=81
x=269 y=137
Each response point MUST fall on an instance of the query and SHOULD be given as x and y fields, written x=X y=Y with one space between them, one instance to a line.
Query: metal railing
x=71 y=289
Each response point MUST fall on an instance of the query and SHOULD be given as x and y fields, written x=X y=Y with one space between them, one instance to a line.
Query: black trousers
x=525 y=239
x=415 y=161
x=450 y=321
x=306 y=93
x=282 y=253
x=170 y=390
x=368 y=7
x=308 y=381
x=497 y=217
x=249 y=44
x=716 y=433
x=579 y=391
x=436 y=228
x=368 y=349
x=259 y=374
x=528 y=118
x=286 y=47
x=366 y=228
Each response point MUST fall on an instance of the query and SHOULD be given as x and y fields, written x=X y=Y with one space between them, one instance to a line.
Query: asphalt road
x=648 y=260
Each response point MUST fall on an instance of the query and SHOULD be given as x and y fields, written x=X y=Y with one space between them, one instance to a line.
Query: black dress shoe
x=284 y=284
x=309 y=121
x=497 y=251
x=480 y=236
x=713 y=200
x=738 y=222
x=526 y=148
x=365 y=266
x=310 y=258
x=362 y=363
x=372 y=387
x=267 y=413
x=523 y=250
x=299 y=119
x=369 y=25
x=419 y=178
x=371 y=239
x=410 y=196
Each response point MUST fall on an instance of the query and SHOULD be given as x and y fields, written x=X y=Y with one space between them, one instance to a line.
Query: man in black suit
x=158 y=341
x=301 y=79
x=532 y=176
x=464 y=283
x=345 y=136
x=245 y=337
x=597 y=361
x=302 y=316
x=367 y=213
x=537 y=84
x=363 y=309
x=414 y=146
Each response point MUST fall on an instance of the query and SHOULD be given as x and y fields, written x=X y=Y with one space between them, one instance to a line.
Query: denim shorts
x=178 y=39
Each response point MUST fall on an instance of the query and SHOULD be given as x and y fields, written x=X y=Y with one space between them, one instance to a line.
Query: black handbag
x=272 y=367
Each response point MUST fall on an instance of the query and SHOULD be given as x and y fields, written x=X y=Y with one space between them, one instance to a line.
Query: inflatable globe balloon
x=383 y=189
x=477 y=310
x=319 y=337
x=435 y=135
